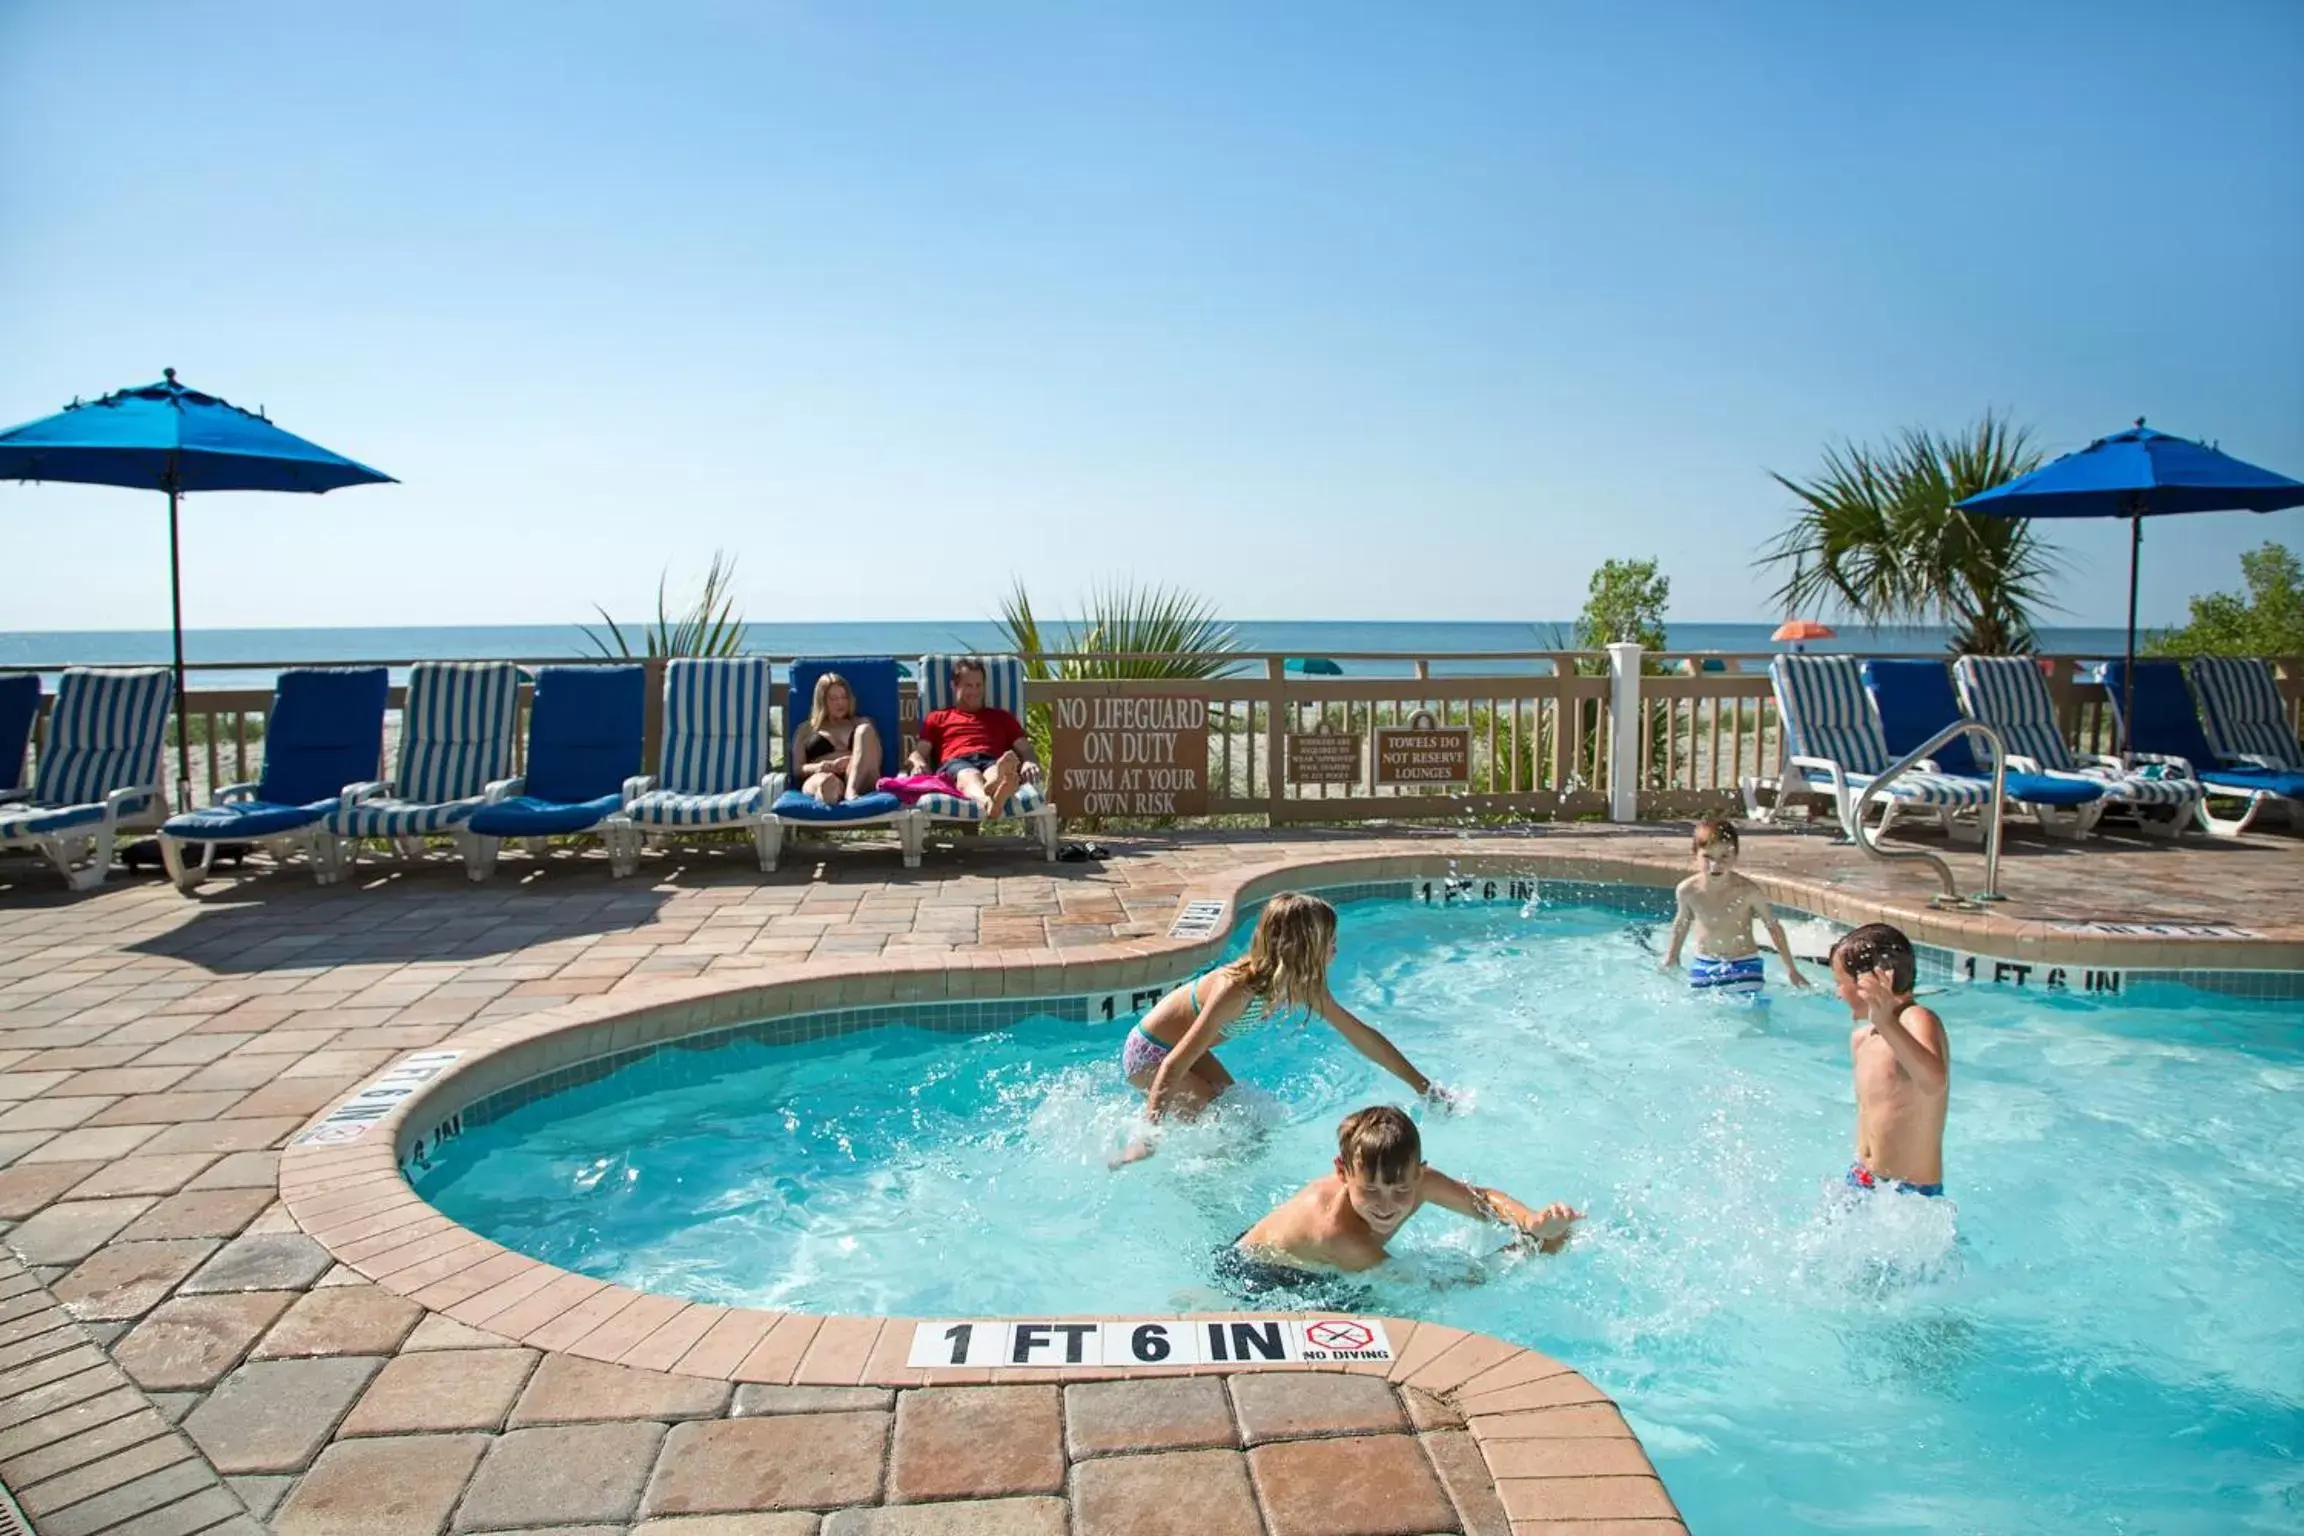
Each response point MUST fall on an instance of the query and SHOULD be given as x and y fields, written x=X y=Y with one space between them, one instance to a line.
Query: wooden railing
x=1536 y=724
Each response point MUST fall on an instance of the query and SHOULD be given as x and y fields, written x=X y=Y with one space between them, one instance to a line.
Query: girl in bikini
x=837 y=750
x=1171 y=1056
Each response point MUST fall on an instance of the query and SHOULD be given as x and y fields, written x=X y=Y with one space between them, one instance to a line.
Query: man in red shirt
x=986 y=753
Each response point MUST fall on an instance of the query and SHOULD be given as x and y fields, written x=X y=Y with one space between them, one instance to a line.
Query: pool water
x=2101 y=1330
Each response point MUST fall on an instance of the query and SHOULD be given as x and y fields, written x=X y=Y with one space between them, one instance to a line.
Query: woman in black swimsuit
x=837 y=751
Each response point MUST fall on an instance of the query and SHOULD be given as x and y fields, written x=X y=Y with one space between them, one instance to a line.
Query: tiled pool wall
x=1938 y=966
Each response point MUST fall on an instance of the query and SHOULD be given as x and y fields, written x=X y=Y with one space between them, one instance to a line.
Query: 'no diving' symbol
x=1339 y=1335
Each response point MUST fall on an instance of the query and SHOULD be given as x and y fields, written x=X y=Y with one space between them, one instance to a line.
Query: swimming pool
x=2096 y=1333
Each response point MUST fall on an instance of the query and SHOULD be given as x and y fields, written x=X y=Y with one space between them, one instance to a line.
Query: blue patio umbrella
x=167 y=437
x=2138 y=474
x=1313 y=666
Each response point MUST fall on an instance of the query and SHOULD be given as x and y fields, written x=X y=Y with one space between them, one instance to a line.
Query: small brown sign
x=1422 y=752
x=1133 y=756
x=1324 y=757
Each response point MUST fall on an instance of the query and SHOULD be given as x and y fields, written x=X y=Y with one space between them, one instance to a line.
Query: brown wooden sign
x=1135 y=756
x=1324 y=757
x=1422 y=752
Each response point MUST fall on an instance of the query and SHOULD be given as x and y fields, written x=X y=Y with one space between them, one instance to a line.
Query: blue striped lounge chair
x=878 y=693
x=2166 y=729
x=98 y=772
x=323 y=736
x=712 y=773
x=19 y=713
x=2010 y=694
x=1003 y=689
x=585 y=726
x=455 y=752
x=1837 y=747
x=2249 y=724
x=1915 y=700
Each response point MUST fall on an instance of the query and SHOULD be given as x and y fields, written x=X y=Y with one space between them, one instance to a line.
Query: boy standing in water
x=1342 y=1220
x=1720 y=905
x=1902 y=1062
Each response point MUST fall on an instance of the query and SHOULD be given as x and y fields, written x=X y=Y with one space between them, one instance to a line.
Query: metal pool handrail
x=1905 y=764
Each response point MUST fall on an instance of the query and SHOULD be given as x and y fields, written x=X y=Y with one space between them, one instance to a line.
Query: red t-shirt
x=951 y=733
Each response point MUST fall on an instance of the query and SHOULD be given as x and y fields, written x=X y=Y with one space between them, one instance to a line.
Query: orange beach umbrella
x=1803 y=629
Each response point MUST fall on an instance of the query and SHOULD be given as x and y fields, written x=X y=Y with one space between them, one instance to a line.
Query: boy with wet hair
x=1901 y=1060
x=1343 y=1220
x=1720 y=905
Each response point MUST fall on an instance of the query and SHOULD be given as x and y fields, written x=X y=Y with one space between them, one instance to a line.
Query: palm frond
x=1875 y=534
x=710 y=626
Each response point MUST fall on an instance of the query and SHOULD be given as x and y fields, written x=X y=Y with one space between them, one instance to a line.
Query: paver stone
x=345 y=1320
x=799 y=1461
x=404 y=1486
x=1173 y=1493
x=274 y=1415
x=191 y=1341
x=976 y=1443
x=440 y=1390
x=1361 y=1485
x=568 y=1472
x=261 y=1261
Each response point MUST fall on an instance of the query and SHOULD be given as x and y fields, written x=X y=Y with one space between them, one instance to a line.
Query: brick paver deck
x=179 y=1354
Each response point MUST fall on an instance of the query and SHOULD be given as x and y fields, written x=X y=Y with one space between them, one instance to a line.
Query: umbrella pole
x=2128 y=672
x=176 y=622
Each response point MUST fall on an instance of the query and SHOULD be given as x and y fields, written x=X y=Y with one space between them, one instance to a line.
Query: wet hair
x=1866 y=949
x=966 y=665
x=1379 y=1141
x=1718 y=829
x=1287 y=960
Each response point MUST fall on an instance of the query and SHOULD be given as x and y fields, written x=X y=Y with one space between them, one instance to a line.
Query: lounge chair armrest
x=775 y=784
x=638 y=785
x=11 y=796
x=2019 y=763
x=227 y=793
x=1830 y=768
x=371 y=789
x=2255 y=760
x=503 y=789
x=116 y=801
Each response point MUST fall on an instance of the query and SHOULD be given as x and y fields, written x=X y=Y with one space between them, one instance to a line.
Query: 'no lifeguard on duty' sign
x=1003 y=1343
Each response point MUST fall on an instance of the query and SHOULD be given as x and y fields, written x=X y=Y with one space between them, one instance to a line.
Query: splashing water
x=2096 y=1332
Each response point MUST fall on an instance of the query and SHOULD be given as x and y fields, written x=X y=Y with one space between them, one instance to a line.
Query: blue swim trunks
x=1707 y=974
x=1861 y=1177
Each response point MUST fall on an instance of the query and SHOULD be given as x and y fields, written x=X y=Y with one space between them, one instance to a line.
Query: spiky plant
x=1132 y=631
x=1875 y=534
x=710 y=626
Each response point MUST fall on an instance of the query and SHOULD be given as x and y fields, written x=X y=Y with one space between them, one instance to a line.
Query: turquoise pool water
x=2102 y=1330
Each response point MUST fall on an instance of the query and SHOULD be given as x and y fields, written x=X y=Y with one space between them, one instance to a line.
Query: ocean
x=243 y=658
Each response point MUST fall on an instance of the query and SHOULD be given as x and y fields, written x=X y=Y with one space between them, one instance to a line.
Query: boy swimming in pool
x=1901 y=1060
x=1343 y=1220
x=1720 y=904
x=1171 y=1054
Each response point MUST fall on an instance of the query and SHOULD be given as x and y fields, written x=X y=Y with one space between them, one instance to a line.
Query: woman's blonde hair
x=825 y=683
x=1287 y=960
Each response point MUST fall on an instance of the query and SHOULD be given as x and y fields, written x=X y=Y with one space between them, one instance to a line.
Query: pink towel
x=914 y=787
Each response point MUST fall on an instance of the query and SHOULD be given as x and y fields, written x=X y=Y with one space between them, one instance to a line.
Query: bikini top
x=1258 y=1011
x=821 y=746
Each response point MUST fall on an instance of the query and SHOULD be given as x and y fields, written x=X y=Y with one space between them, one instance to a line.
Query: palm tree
x=1875 y=534
x=1132 y=632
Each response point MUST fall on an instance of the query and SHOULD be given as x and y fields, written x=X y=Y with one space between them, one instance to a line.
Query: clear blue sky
x=1327 y=310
